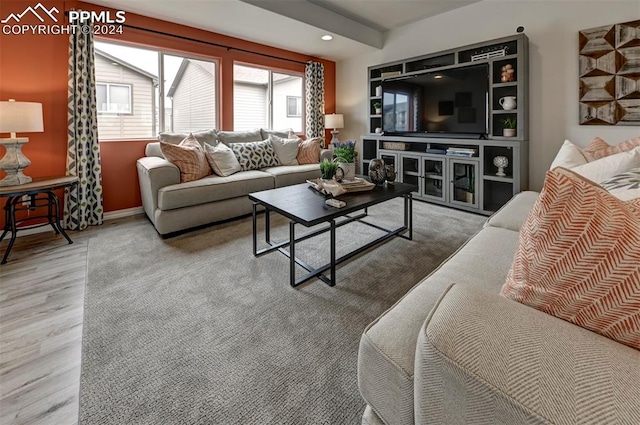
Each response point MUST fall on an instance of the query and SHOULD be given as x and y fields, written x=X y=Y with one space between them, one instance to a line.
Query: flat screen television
x=451 y=102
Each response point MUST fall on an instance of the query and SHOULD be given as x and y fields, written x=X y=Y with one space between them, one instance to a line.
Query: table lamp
x=17 y=117
x=334 y=121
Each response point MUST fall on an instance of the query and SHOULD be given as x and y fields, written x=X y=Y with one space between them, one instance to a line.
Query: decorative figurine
x=391 y=173
x=501 y=162
x=377 y=173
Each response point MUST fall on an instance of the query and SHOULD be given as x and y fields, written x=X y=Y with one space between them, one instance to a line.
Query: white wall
x=552 y=27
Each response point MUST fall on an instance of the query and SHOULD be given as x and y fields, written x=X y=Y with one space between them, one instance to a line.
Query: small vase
x=509 y=132
x=348 y=169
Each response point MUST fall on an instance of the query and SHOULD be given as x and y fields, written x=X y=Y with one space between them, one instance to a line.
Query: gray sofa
x=173 y=206
x=452 y=351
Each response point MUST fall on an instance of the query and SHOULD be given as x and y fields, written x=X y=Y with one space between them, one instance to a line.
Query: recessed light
x=327 y=37
x=437 y=77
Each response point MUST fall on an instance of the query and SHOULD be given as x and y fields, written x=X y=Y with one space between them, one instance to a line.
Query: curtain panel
x=83 y=204
x=314 y=89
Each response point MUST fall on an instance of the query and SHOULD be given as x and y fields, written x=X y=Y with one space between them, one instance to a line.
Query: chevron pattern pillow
x=598 y=148
x=255 y=155
x=189 y=157
x=578 y=258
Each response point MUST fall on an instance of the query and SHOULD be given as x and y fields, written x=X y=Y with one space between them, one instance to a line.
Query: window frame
x=270 y=85
x=162 y=90
x=108 y=86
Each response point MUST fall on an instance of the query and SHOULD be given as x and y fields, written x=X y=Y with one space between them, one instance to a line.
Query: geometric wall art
x=609 y=67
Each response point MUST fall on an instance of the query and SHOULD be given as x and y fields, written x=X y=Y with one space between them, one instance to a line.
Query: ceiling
x=357 y=26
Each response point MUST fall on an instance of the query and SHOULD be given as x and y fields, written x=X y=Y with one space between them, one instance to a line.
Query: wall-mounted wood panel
x=609 y=67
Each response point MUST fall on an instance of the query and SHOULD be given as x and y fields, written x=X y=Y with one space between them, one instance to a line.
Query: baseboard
x=111 y=215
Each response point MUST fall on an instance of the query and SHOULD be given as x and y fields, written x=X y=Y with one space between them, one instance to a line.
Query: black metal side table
x=41 y=195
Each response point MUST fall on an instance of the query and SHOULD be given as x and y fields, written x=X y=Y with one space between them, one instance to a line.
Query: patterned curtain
x=83 y=204
x=314 y=87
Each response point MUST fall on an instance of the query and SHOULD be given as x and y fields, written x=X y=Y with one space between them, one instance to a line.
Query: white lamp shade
x=333 y=121
x=21 y=117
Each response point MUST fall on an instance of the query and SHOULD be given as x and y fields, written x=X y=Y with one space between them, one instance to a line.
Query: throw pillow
x=189 y=157
x=309 y=151
x=569 y=156
x=202 y=136
x=598 y=148
x=578 y=258
x=604 y=168
x=280 y=133
x=255 y=155
x=228 y=137
x=286 y=149
x=624 y=186
x=222 y=159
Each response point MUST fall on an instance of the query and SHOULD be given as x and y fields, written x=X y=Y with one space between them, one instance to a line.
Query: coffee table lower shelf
x=319 y=272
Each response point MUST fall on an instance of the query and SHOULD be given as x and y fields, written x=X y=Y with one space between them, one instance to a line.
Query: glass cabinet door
x=433 y=169
x=464 y=188
x=410 y=171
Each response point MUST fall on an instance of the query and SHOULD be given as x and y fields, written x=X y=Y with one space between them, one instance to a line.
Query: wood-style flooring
x=41 y=312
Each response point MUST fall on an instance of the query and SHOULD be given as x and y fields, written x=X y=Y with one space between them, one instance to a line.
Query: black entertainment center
x=442 y=119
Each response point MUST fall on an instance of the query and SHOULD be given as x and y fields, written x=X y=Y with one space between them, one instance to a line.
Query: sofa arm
x=326 y=154
x=482 y=358
x=154 y=173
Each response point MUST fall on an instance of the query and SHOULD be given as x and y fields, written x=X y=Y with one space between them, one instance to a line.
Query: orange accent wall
x=34 y=68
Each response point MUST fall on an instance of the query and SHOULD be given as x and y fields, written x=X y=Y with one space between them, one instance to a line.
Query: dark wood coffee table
x=303 y=205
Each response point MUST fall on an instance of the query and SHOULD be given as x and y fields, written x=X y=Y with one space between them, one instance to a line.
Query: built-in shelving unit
x=468 y=183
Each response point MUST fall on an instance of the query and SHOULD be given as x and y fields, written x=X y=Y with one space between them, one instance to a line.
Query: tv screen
x=447 y=102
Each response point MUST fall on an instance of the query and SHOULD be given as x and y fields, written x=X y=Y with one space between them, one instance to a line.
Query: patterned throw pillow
x=627 y=180
x=255 y=155
x=598 y=148
x=578 y=258
x=189 y=157
x=222 y=159
x=309 y=151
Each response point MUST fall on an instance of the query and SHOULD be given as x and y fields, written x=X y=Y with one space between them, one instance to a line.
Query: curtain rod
x=210 y=43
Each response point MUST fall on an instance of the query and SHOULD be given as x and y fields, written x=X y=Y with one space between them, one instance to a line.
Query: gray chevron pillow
x=255 y=155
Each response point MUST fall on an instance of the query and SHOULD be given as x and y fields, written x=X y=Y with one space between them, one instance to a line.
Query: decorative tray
x=332 y=187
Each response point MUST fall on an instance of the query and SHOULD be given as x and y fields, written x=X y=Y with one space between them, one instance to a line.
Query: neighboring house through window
x=266 y=98
x=130 y=89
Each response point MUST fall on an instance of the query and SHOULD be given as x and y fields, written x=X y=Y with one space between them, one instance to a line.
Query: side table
x=40 y=192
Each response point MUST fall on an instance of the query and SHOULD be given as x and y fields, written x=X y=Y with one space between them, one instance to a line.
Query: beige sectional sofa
x=452 y=351
x=173 y=206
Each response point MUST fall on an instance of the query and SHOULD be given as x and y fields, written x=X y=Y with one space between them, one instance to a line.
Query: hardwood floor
x=41 y=312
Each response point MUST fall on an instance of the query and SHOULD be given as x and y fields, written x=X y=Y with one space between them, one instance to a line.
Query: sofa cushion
x=513 y=213
x=213 y=188
x=203 y=136
x=189 y=157
x=280 y=133
x=578 y=258
x=598 y=148
x=228 y=137
x=309 y=151
x=222 y=159
x=386 y=356
x=255 y=155
x=286 y=149
x=287 y=175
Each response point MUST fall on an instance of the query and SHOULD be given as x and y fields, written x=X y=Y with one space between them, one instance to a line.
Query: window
x=141 y=92
x=267 y=99
x=113 y=98
x=294 y=106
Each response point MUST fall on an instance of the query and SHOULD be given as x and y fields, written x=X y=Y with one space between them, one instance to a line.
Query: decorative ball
x=501 y=162
x=377 y=172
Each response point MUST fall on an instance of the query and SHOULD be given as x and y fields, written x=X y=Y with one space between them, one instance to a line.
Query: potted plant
x=345 y=154
x=509 y=126
x=328 y=169
x=378 y=107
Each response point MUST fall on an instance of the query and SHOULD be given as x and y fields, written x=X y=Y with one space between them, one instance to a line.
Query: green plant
x=377 y=105
x=345 y=152
x=328 y=169
x=509 y=122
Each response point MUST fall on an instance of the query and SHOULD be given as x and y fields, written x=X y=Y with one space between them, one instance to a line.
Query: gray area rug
x=195 y=330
